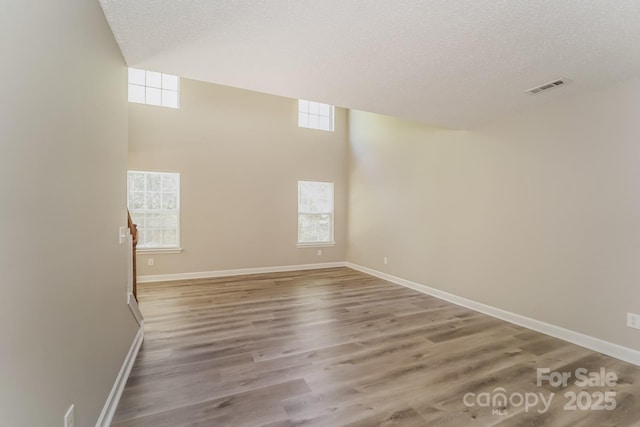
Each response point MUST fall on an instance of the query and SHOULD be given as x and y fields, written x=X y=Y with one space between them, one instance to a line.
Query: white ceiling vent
x=547 y=86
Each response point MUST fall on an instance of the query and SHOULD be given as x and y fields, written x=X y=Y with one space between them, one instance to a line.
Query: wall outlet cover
x=123 y=234
x=633 y=320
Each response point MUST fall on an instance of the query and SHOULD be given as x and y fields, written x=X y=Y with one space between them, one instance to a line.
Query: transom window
x=315 y=115
x=149 y=87
x=154 y=203
x=315 y=212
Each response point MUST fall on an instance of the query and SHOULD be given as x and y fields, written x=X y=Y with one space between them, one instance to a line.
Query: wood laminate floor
x=337 y=347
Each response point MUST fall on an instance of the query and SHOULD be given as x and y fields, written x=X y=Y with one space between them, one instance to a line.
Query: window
x=315 y=115
x=154 y=202
x=149 y=87
x=315 y=212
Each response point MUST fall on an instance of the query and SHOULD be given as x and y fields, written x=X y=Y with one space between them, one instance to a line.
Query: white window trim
x=160 y=249
x=316 y=244
x=321 y=242
x=327 y=243
x=145 y=86
x=152 y=251
x=332 y=117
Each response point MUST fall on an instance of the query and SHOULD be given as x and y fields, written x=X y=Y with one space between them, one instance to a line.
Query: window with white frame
x=154 y=203
x=315 y=212
x=149 y=87
x=315 y=115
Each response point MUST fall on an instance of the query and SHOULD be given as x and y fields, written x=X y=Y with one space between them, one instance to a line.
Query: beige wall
x=240 y=155
x=537 y=214
x=65 y=328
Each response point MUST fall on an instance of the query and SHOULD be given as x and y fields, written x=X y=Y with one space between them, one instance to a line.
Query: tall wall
x=65 y=327
x=537 y=214
x=240 y=155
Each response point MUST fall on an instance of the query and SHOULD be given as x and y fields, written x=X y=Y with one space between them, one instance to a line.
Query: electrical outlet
x=633 y=320
x=123 y=233
x=150 y=262
x=386 y=260
x=319 y=252
x=70 y=417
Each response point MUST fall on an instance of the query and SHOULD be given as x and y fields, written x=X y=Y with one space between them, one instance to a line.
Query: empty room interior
x=336 y=213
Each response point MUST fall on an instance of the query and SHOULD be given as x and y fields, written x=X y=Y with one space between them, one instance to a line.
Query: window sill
x=152 y=251
x=316 y=245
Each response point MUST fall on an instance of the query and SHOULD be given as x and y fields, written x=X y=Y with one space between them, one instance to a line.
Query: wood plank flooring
x=337 y=347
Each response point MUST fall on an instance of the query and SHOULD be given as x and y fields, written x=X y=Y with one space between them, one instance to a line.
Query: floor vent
x=547 y=86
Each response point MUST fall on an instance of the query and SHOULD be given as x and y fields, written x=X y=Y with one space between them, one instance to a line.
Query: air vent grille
x=547 y=86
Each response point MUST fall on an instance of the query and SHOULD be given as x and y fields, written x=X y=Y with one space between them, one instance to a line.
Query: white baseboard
x=111 y=404
x=614 y=350
x=237 y=272
x=135 y=310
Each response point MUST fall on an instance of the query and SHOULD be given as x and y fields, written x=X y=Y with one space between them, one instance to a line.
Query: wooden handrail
x=133 y=229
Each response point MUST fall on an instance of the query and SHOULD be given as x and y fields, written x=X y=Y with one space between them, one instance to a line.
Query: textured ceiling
x=451 y=63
